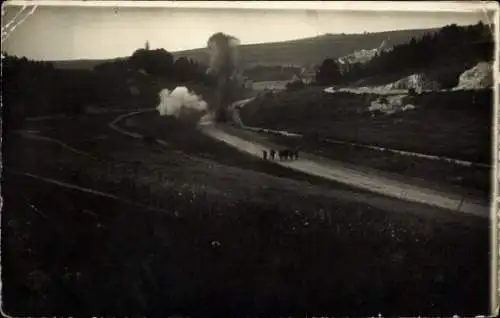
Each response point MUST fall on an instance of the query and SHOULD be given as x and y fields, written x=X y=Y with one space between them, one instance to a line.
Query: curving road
x=332 y=170
x=251 y=144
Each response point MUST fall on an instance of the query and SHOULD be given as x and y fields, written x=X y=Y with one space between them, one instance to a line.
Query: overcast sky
x=59 y=33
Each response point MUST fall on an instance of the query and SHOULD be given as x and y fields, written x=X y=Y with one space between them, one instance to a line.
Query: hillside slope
x=311 y=50
x=79 y=64
x=296 y=52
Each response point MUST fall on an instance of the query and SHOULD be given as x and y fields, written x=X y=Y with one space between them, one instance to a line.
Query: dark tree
x=328 y=73
x=157 y=62
x=183 y=69
x=295 y=85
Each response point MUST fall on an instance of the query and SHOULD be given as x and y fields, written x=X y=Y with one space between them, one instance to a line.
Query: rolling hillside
x=297 y=52
x=311 y=50
x=78 y=64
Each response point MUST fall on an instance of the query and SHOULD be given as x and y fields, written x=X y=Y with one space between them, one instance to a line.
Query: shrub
x=295 y=86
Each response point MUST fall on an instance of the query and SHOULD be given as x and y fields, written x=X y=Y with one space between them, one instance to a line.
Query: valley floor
x=202 y=229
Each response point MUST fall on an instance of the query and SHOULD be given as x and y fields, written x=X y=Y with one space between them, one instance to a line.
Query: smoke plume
x=224 y=66
x=178 y=101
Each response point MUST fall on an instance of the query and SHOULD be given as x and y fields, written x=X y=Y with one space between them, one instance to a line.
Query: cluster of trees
x=159 y=63
x=451 y=46
x=295 y=86
x=329 y=72
x=35 y=88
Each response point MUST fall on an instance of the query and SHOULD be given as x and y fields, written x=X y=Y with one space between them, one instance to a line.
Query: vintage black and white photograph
x=247 y=158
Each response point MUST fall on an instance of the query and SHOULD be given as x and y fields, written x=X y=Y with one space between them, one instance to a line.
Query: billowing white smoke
x=173 y=103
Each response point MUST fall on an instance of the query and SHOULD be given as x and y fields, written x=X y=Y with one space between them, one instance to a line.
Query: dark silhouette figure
x=283 y=154
x=273 y=153
x=291 y=154
x=264 y=154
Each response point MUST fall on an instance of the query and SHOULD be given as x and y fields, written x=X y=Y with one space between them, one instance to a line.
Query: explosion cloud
x=224 y=66
x=174 y=103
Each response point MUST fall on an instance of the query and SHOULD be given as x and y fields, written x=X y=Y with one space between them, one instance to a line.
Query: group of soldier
x=281 y=154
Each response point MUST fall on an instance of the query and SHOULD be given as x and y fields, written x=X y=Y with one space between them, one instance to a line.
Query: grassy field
x=201 y=146
x=218 y=238
x=453 y=124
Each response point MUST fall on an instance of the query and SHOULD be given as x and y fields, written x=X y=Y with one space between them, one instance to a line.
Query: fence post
x=461 y=202
x=403 y=193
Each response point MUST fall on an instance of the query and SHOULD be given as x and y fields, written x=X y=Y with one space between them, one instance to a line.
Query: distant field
x=274 y=85
x=453 y=124
x=78 y=64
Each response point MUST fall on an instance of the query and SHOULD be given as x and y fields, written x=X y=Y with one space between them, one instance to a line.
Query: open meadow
x=465 y=118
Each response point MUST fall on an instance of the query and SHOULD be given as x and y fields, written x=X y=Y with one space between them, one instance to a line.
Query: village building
x=244 y=81
x=306 y=76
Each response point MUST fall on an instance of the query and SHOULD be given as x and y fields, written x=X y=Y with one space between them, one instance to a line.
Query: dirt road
x=331 y=170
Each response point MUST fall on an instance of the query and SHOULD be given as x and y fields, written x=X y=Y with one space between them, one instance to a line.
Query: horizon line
x=256 y=43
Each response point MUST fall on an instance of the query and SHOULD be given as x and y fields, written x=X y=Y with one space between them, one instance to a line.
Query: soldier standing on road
x=273 y=153
x=282 y=154
x=264 y=154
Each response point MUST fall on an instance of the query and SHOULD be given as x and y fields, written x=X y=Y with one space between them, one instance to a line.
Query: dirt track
x=328 y=169
x=331 y=170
